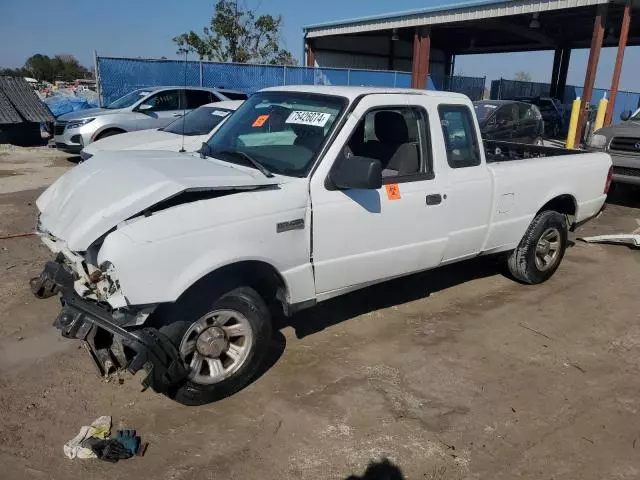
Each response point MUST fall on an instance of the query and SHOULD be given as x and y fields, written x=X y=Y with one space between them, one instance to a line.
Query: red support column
x=617 y=69
x=311 y=56
x=592 y=65
x=420 y=62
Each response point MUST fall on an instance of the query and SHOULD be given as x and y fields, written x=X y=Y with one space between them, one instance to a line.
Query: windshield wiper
x=250 y=159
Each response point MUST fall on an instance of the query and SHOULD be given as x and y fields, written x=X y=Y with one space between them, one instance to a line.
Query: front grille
x=58 y=128
x=629 y=172
x=625 y=144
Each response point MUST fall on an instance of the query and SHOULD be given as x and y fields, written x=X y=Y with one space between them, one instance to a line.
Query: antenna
x=184 y=103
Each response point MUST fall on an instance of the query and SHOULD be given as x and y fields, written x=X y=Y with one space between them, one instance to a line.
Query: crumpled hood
x=146 y=140
x=96 y=195
x=88 y=113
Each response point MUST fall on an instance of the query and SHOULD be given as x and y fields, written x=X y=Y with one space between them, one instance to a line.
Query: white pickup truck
x=175 y=263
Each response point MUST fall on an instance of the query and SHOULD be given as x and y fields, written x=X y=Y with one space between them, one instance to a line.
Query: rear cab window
x=460 y=139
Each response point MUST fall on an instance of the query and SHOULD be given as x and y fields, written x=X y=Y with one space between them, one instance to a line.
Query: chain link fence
x=510 y=89
x=118 y=76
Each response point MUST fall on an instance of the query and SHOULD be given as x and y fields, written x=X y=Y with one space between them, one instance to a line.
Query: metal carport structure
x=428 y=40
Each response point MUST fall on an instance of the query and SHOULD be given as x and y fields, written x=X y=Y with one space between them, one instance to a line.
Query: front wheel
x=541 y=249
x=222 y=343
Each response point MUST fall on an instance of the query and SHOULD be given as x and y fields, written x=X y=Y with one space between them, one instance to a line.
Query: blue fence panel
x=332 y=76
x=403 y=80
x=624 y=100
x=119 y=76
x=372 y=78
x=473 y=87
x=302 y=76
x=509 y=89
x=248 y=78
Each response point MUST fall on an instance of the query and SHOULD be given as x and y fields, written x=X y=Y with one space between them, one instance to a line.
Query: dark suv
x=510 y=121
x=552 y=114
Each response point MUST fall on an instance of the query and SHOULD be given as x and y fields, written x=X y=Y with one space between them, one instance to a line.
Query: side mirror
x=144 y=106
x=357 y=172
x=626 y=115
x=205 y=150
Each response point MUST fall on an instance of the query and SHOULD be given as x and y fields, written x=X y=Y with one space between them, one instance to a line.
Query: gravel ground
x=458 y=373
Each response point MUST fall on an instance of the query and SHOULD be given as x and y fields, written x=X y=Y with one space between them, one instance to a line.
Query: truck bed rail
x=500 y=151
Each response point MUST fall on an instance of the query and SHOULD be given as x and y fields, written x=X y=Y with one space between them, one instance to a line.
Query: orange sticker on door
x=260 y=121
x=393 y=191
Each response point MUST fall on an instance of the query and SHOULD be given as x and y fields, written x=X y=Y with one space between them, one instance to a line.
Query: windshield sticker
x=220 y=113
x=393 y=191
x=316 y=119
x=260 y=121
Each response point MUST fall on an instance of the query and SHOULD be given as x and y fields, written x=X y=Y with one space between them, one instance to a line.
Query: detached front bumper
x=111 y=346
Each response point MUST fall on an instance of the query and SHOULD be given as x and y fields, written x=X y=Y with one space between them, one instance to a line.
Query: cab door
x=159 y=110
x=363 y=236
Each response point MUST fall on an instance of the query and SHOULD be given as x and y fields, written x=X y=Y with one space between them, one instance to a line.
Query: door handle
x=434 y=199
x=176 y=115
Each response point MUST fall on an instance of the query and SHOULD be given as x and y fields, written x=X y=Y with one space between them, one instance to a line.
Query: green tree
x=236 y=34
x=61 y=67
x=41 y=67
x=522 y=76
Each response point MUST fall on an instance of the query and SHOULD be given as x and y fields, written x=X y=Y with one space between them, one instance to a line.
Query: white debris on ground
x=630 y=239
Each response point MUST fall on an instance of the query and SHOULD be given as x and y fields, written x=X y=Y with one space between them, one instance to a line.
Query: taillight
x=607 y=184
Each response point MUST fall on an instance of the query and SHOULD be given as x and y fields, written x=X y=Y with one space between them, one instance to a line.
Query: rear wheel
x=222 y=342
x=541 y=249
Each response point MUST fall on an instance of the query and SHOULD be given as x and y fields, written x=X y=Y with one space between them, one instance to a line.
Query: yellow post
x=602 y=110
x=573 y=123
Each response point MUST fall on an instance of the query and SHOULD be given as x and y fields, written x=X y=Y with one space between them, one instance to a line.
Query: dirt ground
x=455 y=374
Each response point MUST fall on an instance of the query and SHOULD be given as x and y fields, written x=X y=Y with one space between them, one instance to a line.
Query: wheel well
x=110 y=130
x=260 y=276
x=565 y=204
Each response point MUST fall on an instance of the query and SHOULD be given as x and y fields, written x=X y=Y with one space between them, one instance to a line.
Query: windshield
x=198 y=122
x=484 y=110
x=129 y=99
x=283 y=131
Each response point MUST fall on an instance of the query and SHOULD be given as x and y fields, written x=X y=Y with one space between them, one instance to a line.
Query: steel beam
x=617 y=69
x=599 y=24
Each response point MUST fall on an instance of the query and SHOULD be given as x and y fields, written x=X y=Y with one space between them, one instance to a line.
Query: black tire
x=109 y=133
x=522 y=262
x=197 y=303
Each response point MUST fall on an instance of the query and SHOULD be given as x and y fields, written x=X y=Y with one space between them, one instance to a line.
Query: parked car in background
x=622 y=142
x=186 y=132
x=176 y=266
x=510 y=120
x=142 y=109
x=552 y=112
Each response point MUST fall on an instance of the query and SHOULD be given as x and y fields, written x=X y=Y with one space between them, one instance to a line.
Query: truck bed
x=500 y=151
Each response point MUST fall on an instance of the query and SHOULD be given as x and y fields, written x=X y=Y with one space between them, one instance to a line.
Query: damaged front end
x=113 y=337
